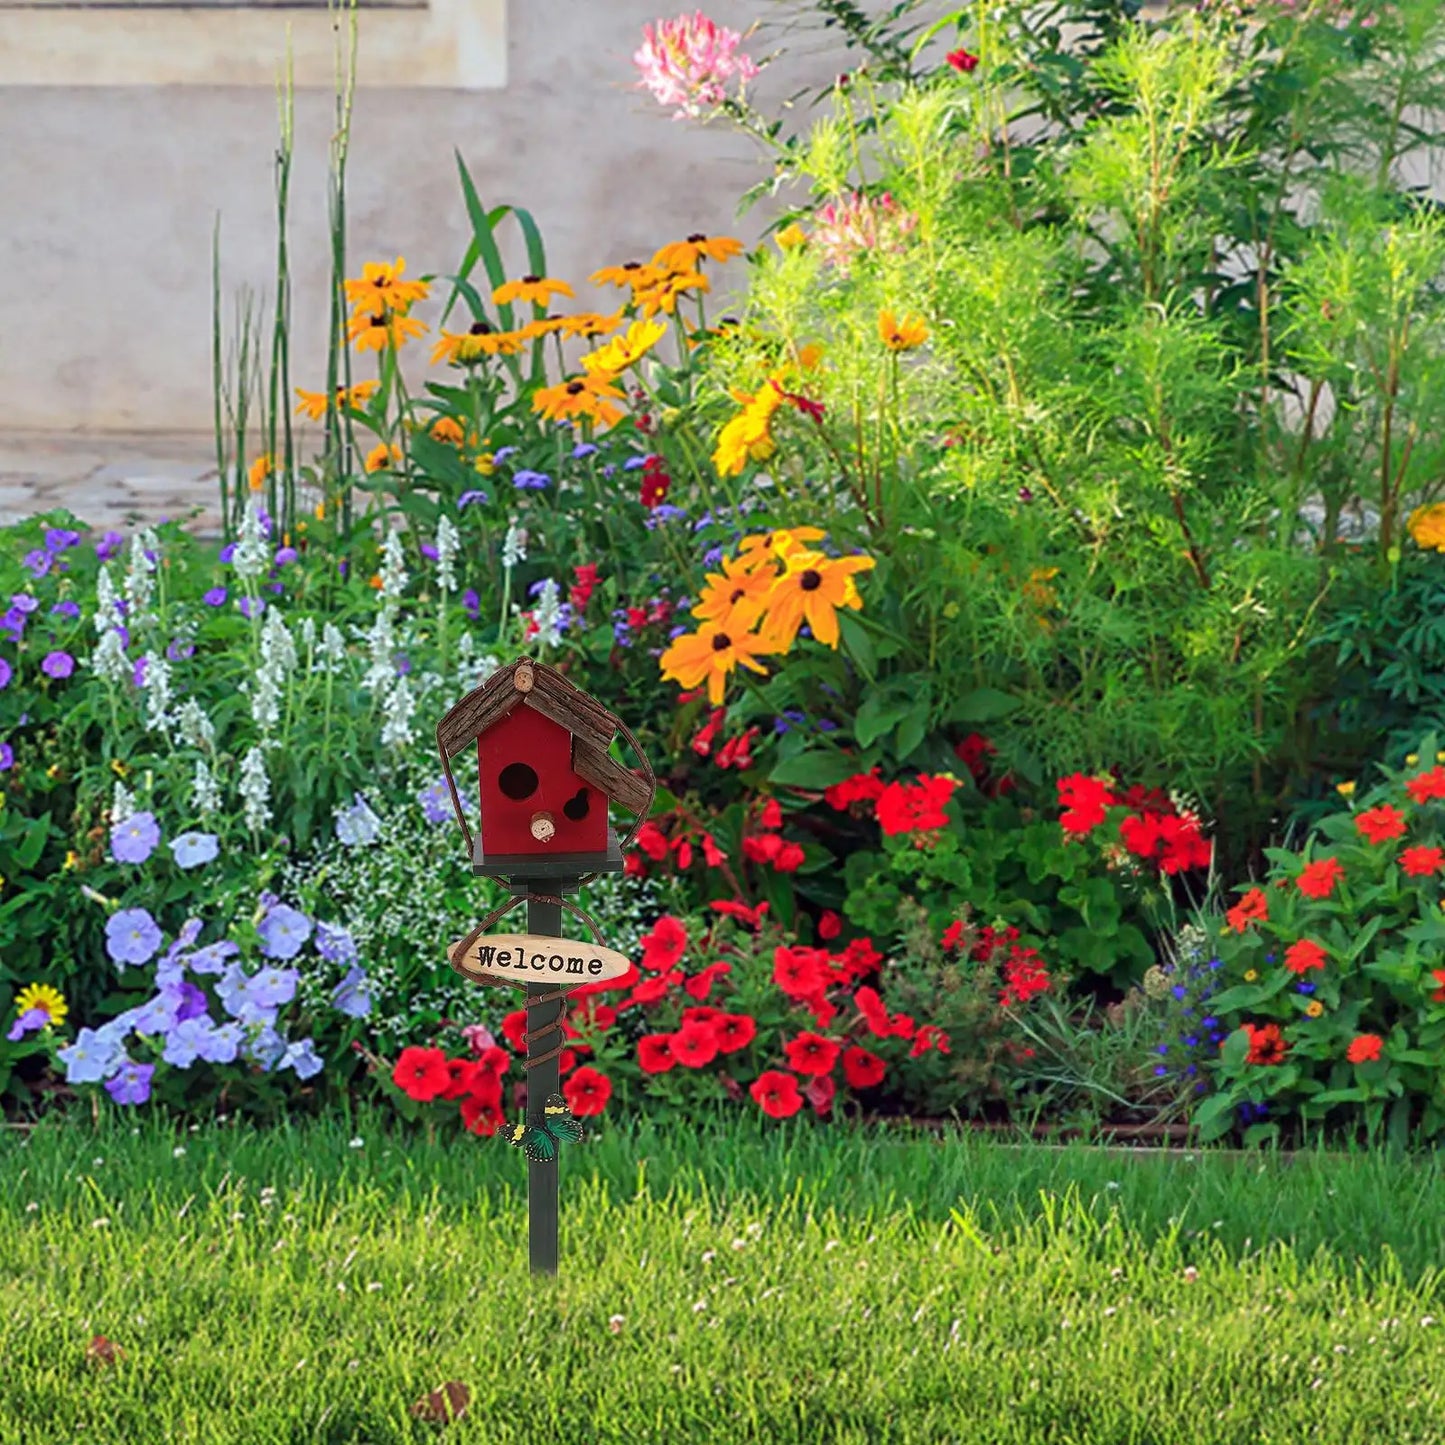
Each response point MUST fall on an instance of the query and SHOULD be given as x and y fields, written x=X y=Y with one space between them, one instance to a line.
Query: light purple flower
x=227 y=552
x=267 y=1048
x=91 y=1058
x=13 y=622
x=193 y=849
x=108 y=545
x=178 y=651
x=216 y=597
x=632 y=463
x=67 y=609
x=132 y=1085
x=158 y=1015
x=6 y=673
x=352 y=996
x=185 y=1041
x=436 y=802
x=222 y=1044
x=7 y=757
x=358 y=825
x=468 y=497
x=134 y=840
x=502 y=453
x=138 y=672
x=583 y=449
x=58 y=665
x=251 y=607
x=32 y=1018
x=212 y=958
x=132 y=936
x=38 y=562
x=427 y=550
x=530 y=480
x=285 y=555
x=283 y=931
x=472 y=603
x=301 y=1057
x=275 y=986
x=335 y=944
x=57 y=539
x=236 y=990
x=23 y=602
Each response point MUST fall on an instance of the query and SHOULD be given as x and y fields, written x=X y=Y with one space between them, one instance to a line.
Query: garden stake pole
x=544 y=920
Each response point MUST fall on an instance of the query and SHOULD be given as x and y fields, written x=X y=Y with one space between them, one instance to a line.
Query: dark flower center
x=480 y=328
x=575 y=388
x=739 y=593
x=531 y=280
x=632 y=265
x=721 y=642
x=379 y=320
x=695 y=238
x=811 y=580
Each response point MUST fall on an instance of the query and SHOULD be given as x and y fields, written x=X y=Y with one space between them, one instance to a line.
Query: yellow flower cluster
x=756 y=605
x=748 y=437
x=381 y=302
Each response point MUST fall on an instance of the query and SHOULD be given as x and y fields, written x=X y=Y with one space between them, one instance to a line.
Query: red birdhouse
x=544 y=773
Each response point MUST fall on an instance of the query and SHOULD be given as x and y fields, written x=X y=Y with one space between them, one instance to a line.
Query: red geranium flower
x=860 y=788
x=862 y=1069
x=1421 y=862
x=695 y=1044
x=811 y=1054
x=583 y=584
x=1319 y=878
x=1024 y=976
x=421 y=1074
x=1142 y=836
x=929 y=1036
x=918 y=808
x=859 y=958
x=1364 y=1048
x=734 y=1032
x=654 y=1053
x=1427 y=786
x=1184 y=846
x=777 y=1094
x=665 y=945
x=952 y=935
x=962 y=61
x=1303 y=956
x=1381 y=824
x=587 y=1091
x=1254 y=905
x=797 y=971
x=652 y=840
x=1084 y=801
x=790 y=858
x=829 y=926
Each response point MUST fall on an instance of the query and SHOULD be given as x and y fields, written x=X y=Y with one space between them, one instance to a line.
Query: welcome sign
x=528 y=958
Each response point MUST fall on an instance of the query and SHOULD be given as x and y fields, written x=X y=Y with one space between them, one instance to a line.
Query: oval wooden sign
x=526 y=958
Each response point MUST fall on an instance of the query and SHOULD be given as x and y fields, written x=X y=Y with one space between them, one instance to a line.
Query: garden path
x=111 y=479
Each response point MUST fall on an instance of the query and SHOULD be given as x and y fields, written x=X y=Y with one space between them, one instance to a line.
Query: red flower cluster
x=583 y=585
x=1318 y=879
x=860 y=788
x=655 y=482
x=1155 y=832
x=737 y=752
x=1427 y=786
x=1381 y=824
x=962 y=61
x=1252 y=908
x=476 y=1083
x=1024 y=977
x=707 y=733
x=917 y=808
x=658 y=846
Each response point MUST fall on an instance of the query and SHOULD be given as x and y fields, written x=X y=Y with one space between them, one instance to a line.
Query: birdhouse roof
x=524 y=683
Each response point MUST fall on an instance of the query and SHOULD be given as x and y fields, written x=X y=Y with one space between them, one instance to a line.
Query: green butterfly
x=540 y=1141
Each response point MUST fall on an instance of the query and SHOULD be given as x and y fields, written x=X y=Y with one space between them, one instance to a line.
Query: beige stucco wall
x=108 y=196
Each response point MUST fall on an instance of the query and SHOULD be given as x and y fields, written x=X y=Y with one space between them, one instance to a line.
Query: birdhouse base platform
x=546 y=866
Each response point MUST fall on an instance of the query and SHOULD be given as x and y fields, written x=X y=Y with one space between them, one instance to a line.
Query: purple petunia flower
x=285 y=555
x=91 y=1057
x=227 y=552
x=283 y=931
x=132 y=1085
x=427 y=550
x=712 y=556
x=108 y=545
x=193 y=849
x=467 y=498
x=7 y=757
x=216 y=597
x=23 y=602
x=212 y=958
x=66 y=609
x=131 y=936
x=530 y=480
x=13 y=622
x=134 y=840
x=251 y=606
x=57 y=539
x=58 y=665
x=353 y=994
x=6 y=673
x=38 y=562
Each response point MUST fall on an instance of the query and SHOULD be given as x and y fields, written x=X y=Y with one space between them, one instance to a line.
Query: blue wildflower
x=283 y=931
x=193 y=849
x=132 y=936
x=132 y=1085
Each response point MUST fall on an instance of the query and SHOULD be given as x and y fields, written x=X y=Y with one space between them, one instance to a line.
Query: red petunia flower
x=665 y=945
x=694 y=1045
x=820 y=1092
x=734 y=1032
x=483 y=1115
x=652 y=840
x=1381 y=824
x=1302 y=956
x=700 y=984
x=1364 y=1048
x=862 y=1069
x=811 y=1054
x=514 y=1029
x=1427 y=786
x=654 y=1053
x=422 y=1074
x=633 y=866
x=776 y=1094
x=962 y=61
x=1420 y=861
x=858 y=958
x=1254 y=906
x=653 y=990
x=829 y=925
x=587 y=1091
x=798 y=971
x=753 y=917
x=762 y=847
x=1318 y=879
x=904 y=808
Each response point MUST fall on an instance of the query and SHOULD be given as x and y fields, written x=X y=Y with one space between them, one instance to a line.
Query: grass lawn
x=308 y=1284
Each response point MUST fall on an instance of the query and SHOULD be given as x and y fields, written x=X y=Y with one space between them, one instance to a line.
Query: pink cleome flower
x=854 y=223
x=688 y=62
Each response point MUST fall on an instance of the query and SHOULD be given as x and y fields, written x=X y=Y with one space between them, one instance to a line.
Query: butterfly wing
x=559 y=1118
x=540 y=1144
x=517 y=1134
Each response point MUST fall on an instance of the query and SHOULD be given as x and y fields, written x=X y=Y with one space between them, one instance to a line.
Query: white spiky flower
x=547 y=614
x=449 y=542
x=514 y=548
x=158 y=696
x=250 y=557
x=393 y=568
x=205 y=795
x=122 y=804
x=381 y=641
x=255 y=790
x=107 y=614
x=109 y=659
x=397 y=714
x=140 y=574
x=308 y=634
x=196 y=729
x=333 y=648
